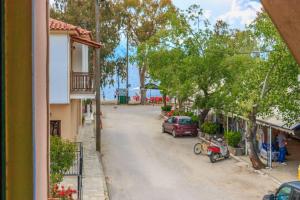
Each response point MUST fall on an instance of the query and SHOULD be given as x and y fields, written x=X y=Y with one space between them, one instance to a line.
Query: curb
x=260 y=172
x=106 y=193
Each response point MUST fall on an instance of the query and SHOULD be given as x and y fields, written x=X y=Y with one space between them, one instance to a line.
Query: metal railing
x=77 y=168
x=82 y=82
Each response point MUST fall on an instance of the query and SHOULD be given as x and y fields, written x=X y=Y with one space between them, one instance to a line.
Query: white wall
x=59 y=49
x=85 y=58
x=80 y=58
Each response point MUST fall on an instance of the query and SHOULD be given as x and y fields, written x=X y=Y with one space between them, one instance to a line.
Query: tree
x=268 y=85
x=192 y=64
x=143 y=19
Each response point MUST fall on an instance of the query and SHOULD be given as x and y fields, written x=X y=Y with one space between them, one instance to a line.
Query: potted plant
x=209 y=129
x=60 y=193
x=165 y=109
x=233 y=139
x=62 y=156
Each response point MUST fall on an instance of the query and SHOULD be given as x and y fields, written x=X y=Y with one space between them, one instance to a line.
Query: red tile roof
x=76 y=31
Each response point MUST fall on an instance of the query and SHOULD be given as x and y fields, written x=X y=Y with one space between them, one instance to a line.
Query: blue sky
x=237 y=13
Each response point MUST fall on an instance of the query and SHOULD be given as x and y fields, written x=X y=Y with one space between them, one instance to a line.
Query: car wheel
x=174 y=133
x=197 y=148
x=195 y=134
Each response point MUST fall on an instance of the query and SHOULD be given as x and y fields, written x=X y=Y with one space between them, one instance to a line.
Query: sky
x=237 y=13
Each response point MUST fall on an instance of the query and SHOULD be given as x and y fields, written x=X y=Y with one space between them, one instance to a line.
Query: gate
x=77 y=168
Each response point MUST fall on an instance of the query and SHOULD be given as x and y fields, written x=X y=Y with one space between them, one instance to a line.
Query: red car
x=179 y=126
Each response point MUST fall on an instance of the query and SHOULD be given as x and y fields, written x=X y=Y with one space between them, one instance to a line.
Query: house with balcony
x=71 y=77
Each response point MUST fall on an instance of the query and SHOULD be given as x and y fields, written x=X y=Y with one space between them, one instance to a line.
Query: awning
x=275 y=123
x=86 y=41
x=151 y=86
x=295 y=126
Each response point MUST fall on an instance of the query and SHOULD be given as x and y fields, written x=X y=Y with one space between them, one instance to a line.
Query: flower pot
x=236 y=151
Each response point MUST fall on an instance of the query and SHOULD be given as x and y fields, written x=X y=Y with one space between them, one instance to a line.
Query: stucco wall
x=59 y=48
x=70 y=117
x=41 y=114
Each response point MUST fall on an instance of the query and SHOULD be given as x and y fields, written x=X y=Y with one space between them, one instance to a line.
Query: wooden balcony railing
x=82 y=82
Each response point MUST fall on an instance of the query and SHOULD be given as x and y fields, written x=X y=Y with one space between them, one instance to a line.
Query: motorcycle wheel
x=227 y=155
x=197 y=148
x=212 y=157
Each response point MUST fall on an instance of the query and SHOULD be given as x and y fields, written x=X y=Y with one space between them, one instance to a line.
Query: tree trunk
x=180 y=102
x=203 y=115
x=165 y=99
x=251 y=137
x=142 y=73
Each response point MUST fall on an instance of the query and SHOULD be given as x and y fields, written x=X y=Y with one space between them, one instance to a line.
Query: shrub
x=233 y=138
x=209 y=128
x=62 y=156
x=166 y=108
x=195 y=118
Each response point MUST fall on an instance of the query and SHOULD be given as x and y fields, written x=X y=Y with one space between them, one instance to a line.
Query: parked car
x=180 y=126
x=287 y=191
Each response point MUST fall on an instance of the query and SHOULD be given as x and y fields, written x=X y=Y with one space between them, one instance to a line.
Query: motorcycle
x=218 y=149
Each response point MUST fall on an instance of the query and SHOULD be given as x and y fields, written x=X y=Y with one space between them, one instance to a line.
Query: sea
x=133 y=76
x=134 y=89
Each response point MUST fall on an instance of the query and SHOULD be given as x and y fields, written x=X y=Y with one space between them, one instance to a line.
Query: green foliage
x=270 y=84
x=145 y=19
x=233 y=138
x=62 y=156
x=209 y=128
x=194 y=117
x=87 y=101
x=166 y=108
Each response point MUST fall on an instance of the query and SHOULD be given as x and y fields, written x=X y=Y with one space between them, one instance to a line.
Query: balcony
x=82 y=83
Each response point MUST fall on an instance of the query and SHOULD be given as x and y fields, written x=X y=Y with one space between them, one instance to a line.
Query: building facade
x=71 y=77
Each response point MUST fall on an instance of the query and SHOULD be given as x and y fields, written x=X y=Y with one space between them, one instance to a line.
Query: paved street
x=141 y=163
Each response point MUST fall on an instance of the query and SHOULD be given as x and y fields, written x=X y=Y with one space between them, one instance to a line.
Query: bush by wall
x=166 y=108
x=62 y=156
x=233 y=138
x=209 y=128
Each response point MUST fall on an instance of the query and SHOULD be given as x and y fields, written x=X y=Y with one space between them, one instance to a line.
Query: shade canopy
x=151 y=86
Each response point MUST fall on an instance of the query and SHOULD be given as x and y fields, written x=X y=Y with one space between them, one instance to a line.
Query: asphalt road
x=142 y=163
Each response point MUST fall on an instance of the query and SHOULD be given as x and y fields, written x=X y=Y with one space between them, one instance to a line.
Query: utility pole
x=127 y=61
x=98 y=78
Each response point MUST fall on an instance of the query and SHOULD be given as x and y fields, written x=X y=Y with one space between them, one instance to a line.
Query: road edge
x=105 y=188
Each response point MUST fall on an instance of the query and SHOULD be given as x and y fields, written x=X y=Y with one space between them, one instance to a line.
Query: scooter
x=218 y=149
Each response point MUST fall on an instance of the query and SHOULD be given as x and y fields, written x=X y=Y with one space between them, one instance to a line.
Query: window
x=170 y=120
x=284 y=193
x=185 y=121
x=55 y=127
